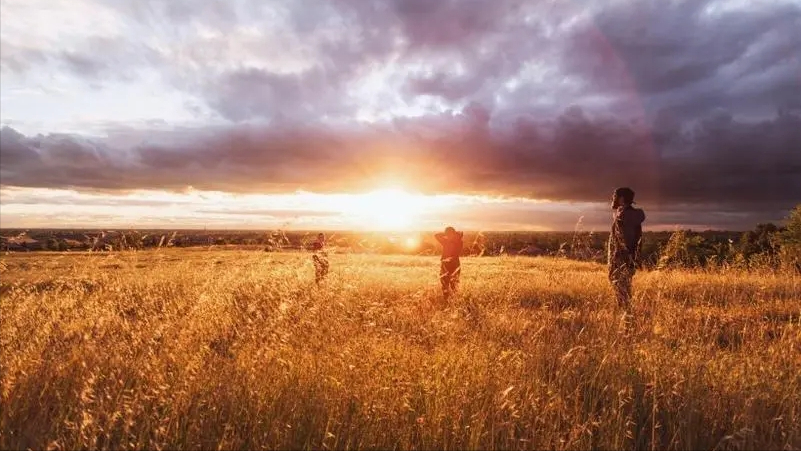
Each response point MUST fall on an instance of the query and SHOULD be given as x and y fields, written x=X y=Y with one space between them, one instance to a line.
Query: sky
x=383 y=114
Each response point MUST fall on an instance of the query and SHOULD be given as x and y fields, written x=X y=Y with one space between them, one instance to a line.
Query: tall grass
x=227 y=350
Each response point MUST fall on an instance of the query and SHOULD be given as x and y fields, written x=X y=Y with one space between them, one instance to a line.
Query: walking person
x=320 y=258
x=450 y=266
x=624 y=245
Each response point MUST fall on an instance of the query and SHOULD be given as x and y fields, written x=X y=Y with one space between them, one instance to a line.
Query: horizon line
x=198 y=229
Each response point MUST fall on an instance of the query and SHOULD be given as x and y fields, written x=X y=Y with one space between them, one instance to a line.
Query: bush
x=686 y=251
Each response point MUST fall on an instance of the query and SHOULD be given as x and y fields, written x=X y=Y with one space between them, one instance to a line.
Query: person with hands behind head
x=450 y=266
x=320 y=258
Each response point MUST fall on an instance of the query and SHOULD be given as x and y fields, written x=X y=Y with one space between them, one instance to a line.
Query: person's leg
x=620 y=278
x=318 y=268
x=444 y=278
x=628 y=278
x=456 y=272
x=621 y=275
x=613 y=279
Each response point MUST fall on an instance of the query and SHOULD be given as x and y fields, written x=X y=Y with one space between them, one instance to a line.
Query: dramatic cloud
x=688 y=58
x=720 y=161
x=696 y=104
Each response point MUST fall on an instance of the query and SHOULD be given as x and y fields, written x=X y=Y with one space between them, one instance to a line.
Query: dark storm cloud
x=721 y=161
x=595 y=218
x=673 y=56
x=16 y=150
x=677 y=55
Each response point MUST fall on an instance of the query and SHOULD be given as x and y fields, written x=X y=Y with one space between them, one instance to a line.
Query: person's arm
x=638 y=248
x=638 y=255
x=617 y=237
x=441 y=237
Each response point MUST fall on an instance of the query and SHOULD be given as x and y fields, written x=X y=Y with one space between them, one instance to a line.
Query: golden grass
x=190 y=349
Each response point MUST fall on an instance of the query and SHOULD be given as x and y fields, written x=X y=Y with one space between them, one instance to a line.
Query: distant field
x=191 y=349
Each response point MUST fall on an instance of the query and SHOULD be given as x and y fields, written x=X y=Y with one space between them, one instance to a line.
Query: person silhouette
x=450 y=265
x=623 y=249
x=320 y=258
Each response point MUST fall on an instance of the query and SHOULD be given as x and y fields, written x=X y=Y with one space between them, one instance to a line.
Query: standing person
x=450 y=266
x=320 y=258
x=624 y=244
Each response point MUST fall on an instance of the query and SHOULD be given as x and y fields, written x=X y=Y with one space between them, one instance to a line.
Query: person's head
x=321 y=236
x=622 y=197
x=450 y=231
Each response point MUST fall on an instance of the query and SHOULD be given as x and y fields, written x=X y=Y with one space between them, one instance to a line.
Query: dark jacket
x=626 y=235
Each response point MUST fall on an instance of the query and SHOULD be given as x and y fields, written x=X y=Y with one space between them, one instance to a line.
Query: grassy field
x=189 y=349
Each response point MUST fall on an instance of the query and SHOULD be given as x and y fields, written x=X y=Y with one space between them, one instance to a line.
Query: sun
x=385 y=209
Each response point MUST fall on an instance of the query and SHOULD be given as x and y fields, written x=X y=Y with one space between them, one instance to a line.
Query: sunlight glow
x=390 y=207
x=385 y=209
x=412 y=242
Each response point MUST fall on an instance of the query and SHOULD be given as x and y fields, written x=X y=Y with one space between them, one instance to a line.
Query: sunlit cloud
x=384 y=209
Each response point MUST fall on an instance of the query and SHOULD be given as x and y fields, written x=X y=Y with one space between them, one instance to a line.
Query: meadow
x=203 y=349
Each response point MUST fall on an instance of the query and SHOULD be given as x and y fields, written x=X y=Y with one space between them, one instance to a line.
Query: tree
x=51 y=243
x=760 y=241
x=682 y=250
x=790 y=239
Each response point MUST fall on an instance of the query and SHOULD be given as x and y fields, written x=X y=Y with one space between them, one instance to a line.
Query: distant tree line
x=768 y=245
